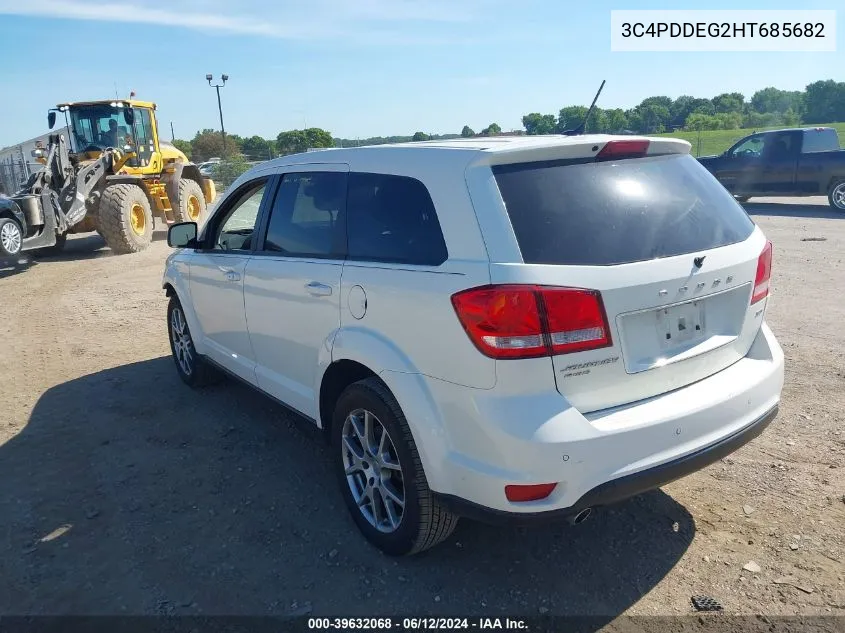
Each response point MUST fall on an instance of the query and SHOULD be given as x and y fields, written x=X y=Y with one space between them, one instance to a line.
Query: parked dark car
x=792 y=162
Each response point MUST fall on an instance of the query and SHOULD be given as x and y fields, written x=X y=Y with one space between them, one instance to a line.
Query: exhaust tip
x=581 y=516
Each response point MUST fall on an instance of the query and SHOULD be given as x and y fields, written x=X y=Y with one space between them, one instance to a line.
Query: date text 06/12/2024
x=415 y=624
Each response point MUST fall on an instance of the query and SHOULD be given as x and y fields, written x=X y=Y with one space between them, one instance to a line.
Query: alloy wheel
x=10 y=237
x=183 y=348
x=373 y=471
x=838 y=196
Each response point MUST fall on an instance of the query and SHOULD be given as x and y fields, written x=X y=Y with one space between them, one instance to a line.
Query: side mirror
x=51 y=119
x=128 y=115
x=182 y=235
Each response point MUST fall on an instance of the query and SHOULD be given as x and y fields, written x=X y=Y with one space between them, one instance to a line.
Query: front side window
x=307 y=215
x=752 y=146
x=392 y=219
x=236 y=229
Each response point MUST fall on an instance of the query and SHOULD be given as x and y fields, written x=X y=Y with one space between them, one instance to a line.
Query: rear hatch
x=672 y=258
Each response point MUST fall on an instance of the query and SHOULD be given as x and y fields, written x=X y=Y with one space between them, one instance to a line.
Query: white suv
x=495 y=328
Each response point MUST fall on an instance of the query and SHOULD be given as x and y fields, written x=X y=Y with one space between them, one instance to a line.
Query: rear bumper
x=473 y=443
x=622 y=488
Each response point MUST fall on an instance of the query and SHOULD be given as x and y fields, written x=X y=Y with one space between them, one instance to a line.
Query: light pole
x=219 y=106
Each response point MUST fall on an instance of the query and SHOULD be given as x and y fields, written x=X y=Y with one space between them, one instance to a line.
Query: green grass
x=717 y=141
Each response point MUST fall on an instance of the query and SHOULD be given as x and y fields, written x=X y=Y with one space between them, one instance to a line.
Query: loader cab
x=123 y=125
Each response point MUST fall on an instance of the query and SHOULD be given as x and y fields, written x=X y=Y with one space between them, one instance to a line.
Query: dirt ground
x=124 y=492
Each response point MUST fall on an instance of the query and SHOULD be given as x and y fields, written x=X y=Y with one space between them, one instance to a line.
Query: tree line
x=210 y=143
x=819 y=102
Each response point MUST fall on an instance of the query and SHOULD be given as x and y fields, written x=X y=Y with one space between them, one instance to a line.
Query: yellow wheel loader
x=119 y=181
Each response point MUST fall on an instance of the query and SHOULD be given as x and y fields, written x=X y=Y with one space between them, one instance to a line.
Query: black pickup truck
x=793 y=162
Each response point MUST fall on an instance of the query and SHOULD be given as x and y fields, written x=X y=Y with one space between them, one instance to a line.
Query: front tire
x=191 y=207
x=380 y=473
x=191 y=367
x=125 y=219
x=11 y=237
x=836 y=195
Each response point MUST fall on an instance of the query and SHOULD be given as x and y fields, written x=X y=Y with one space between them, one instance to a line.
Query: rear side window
x=307 y=215
x=820 y=141
x=392 y=219
x=617 y=212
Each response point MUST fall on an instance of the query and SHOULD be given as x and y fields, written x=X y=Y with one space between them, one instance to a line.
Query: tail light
x=523 y=321
x=634 y=148
x=764 y=273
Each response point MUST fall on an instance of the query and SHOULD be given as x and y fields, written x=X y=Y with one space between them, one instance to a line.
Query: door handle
x=317 y=289
x=231 y=275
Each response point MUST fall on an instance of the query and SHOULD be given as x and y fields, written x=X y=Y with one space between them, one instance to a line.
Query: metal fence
x=14 y=170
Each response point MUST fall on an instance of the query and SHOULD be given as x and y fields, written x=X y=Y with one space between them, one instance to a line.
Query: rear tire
x=125 y=219
x=836 y=195
x=191 y=367
x=191 y=207
x=11 y=237
x=377 y=468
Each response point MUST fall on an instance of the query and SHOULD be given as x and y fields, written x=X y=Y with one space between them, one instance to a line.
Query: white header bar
x=710 y=30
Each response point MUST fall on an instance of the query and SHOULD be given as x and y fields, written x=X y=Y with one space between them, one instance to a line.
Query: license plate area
x=680 y=325
x=656 y=337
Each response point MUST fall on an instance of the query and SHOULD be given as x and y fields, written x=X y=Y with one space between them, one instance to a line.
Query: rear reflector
x=623 y=149
x=764 y=273
x=523 y=321
x=534 y=492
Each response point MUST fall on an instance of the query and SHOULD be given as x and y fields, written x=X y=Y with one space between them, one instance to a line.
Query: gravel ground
x=124 y=492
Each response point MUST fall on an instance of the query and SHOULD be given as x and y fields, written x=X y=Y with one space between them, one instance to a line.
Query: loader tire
x=125 y=219
x=191 y=207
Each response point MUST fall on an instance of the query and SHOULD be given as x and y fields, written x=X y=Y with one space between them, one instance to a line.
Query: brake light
x=524 y=321
x=635 y=148
x=502 y=321
x=764 y=273
x=533 y=492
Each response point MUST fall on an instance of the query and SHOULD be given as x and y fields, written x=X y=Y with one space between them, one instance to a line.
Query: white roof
x=493 y=149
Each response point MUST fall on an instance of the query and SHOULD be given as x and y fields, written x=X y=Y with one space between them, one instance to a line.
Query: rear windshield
x=820 y=141
x=617 y=212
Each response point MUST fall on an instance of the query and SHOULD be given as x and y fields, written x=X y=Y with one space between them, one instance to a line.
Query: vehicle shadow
x=87 y=246
x=78 y=247
x=126 y=492
x=14 y=265
x=789 y=209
